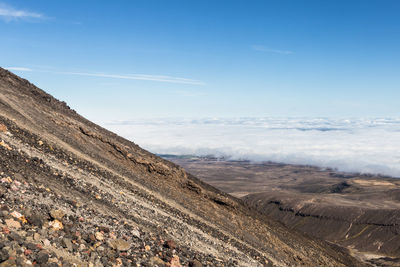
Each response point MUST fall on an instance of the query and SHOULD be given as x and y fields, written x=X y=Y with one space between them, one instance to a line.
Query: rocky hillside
x=75 y=194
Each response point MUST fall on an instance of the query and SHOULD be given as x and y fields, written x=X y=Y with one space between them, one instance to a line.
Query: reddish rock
x=13 y=224
x=170 y=244
x=3 y=128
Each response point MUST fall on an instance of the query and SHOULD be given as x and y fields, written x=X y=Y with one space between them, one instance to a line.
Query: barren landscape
x=356 y=211
x=75 y=194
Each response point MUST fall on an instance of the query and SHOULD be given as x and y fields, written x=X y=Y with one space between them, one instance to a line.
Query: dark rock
x=36 y=219
x=42 y=257
x=15 y=237
x=3 y=255
x=19 y=261
x=195 y=263
x=104 y=229
x=4 y=208
x=31 y=246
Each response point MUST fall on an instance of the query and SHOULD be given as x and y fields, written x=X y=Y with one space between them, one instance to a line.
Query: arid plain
x=356 y=211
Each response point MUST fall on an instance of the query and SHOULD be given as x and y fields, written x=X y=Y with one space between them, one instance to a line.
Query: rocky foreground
x=34 y=232
x=75 y=194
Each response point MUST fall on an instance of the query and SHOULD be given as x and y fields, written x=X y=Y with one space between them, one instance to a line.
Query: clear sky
x=117 y=60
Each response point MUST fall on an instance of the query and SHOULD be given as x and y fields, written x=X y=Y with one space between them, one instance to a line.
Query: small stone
x=9 y=263
x=42 y=257
x=3 y=144
x=119 y=244
x=31 y=246
x=91 y=238
x=157 y=261
x=46 y=242
x=12 y=224
x=6 y=180
x=4 y=208
x=195 y=263
x=16 y=237
x=35 y=219
x=36 y=236
x=56 y=225
x=175 y=262
x=57 y=214
x=66 y=243
x=147 y=248
x=104 y=229
x=14 y=188
x=3 y=255
x=3 y=128
x=16 y=214
x=99 y=236
x=118 y=262
x=135 y=233
x=170 y=244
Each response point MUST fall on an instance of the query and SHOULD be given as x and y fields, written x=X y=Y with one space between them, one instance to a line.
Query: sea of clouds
x=355 y=145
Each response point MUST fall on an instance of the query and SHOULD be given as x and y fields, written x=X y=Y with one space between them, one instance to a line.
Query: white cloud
x=262 y=48
x=357 y=145
x=143 y=77
x=18 y=69
x=8 y=13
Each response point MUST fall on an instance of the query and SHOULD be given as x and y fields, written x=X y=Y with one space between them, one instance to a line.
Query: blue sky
x=118 y=60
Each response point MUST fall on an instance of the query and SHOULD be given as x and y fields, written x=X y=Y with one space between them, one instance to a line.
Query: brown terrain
x=357 y=212
x=75 y=194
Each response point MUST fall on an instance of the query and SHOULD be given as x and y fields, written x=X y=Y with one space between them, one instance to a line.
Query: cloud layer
x=360 y=145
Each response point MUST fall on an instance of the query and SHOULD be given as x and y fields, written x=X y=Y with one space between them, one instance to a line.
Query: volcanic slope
x=75 y=193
